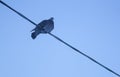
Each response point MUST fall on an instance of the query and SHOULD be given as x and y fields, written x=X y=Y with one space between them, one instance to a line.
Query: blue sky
x=92 y=26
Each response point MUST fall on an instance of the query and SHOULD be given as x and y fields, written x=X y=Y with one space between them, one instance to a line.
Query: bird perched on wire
x=45 y=26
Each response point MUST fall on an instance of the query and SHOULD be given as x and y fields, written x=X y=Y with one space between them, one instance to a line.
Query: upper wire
x=63 y=41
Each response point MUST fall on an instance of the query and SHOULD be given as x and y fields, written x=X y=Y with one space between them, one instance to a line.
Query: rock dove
x=44 y=26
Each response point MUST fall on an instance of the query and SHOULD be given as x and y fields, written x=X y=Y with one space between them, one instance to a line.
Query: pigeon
x=45 y=26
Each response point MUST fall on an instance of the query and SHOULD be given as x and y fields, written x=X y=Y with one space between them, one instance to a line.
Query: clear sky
x=92 y=26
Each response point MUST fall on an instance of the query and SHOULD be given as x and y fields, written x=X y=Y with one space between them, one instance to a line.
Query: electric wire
x=85 y=55
x=63 y=41
x=18 y=13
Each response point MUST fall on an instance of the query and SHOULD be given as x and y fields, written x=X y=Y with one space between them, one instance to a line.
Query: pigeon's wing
x=49 y=26
x=38 y=29
x=36 y=32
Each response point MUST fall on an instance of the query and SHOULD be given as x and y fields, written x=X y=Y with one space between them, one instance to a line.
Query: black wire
x=63 y=41
x=18 y=13
x=85 y=55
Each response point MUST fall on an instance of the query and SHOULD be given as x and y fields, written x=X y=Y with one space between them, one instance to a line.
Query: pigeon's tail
x=33 y=35
x=32 y=30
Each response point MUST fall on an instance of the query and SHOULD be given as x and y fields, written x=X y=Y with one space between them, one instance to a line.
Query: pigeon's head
x=52 y=18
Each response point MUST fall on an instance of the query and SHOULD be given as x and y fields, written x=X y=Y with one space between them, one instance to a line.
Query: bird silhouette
x=44 y=27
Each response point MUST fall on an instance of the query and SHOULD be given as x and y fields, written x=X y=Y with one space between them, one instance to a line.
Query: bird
x=44 y=27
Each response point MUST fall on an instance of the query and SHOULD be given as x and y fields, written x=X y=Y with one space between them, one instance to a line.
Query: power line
x=85 y=55
x=18 y=13
x=63 y=41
